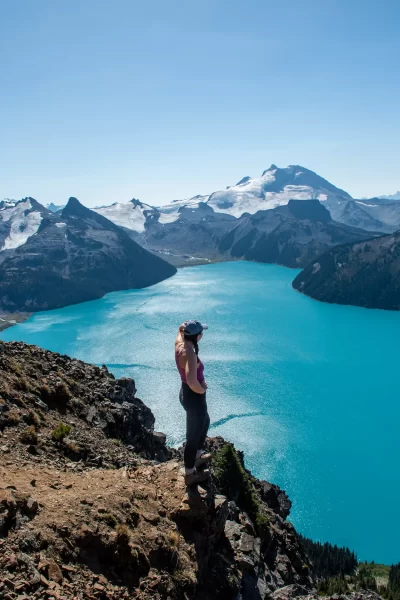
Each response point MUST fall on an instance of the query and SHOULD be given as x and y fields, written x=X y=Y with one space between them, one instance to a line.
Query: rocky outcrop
x=94 y=505
x=365 y=274
x=51 y=260
x=41 y=388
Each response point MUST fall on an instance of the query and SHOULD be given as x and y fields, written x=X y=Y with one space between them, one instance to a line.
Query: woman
x=193 y=399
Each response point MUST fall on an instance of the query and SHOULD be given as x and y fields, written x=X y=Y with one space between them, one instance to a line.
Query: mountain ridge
x=274 y=188
x=365 y=273
x=69 y=257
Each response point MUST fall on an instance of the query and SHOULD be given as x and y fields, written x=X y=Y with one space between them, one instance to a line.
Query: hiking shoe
x=202 y=460
x=196 y=477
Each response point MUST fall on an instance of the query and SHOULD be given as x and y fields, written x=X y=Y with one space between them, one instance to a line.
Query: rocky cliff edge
x=93 y=504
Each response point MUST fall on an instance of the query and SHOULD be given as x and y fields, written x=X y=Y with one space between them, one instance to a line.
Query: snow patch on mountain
x=132 y=215
x=365 y=203
x=170 y=212
x=22 y=223
x=274 y=188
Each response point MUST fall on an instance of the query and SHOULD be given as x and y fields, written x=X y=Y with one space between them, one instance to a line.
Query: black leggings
x=197 y=422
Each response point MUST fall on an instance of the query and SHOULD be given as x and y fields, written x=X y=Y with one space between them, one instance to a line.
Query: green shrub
x=60 y=432
x=235 y=483
x=333 y=585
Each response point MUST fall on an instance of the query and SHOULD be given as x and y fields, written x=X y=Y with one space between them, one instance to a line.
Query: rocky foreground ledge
x=93 y=504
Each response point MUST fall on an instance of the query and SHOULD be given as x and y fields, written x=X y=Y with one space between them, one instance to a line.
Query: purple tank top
x=200 y=369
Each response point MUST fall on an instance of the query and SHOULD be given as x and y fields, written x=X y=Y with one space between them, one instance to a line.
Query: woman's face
x=199 y=336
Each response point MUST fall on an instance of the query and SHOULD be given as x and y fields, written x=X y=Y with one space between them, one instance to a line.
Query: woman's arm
x=179 y=336
x=191 y=373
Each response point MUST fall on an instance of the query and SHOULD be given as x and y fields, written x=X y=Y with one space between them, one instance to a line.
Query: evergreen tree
x=328 y=560
x=393 y=587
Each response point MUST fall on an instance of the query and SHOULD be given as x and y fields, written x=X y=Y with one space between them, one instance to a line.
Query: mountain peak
x=75 y=209
x=271 y=168
x=243 y=180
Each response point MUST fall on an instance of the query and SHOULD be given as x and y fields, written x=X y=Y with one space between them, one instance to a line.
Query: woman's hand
x=204 y=385
x=191 y=374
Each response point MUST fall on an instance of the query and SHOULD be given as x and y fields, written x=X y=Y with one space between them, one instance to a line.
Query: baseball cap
x=194 y=327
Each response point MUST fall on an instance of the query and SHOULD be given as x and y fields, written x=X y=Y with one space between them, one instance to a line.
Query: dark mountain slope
x=366 y=274
x=74 y=256
x=196 y=234
x=290 y=235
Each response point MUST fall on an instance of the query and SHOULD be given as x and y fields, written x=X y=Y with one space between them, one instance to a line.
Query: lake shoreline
x=10 y=319
x=293 y=383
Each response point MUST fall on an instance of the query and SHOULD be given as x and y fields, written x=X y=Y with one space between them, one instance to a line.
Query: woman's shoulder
x=180 y=348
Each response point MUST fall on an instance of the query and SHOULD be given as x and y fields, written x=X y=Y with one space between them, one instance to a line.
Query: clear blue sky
x=163 y=99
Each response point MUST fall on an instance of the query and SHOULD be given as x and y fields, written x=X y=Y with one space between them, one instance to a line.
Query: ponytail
x=193 y=339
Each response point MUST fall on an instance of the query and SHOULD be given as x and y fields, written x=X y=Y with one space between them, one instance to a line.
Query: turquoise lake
x=309 y=391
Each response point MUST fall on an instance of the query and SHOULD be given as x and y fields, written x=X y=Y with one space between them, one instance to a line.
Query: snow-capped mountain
x=371 y=214
x=19 y=220
x=132 y=215
x=274 y=188
x=170 y=212
x=50 y=260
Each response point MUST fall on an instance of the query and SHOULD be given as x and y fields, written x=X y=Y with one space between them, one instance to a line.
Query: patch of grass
x=134 y=517
x=109 y=518
x=44 y=391
x=29 y=436
x=32 y=418
x=5 y=388
x=60 y=432
x=123 y=534
x=236 y=484
x=376 y=570
x=62 y=391
x=18 y=401
x=173 y=537
x=13 y=417
x=72 y=447
x=24 y=384
x=15 y=366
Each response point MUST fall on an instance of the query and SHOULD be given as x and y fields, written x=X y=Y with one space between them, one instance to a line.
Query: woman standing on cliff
x=193 y=399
